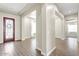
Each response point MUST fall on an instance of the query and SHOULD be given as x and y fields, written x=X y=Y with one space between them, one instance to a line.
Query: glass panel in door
x=9 y=29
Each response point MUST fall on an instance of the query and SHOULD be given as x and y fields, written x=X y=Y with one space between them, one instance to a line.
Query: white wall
x=26 y=27
x=17 y=25
x=50 y=28
x=39 y=28
x=58 y=27
x=43 y=18
x=78 y=26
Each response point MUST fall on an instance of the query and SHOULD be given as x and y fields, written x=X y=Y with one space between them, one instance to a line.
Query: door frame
x=4 y=29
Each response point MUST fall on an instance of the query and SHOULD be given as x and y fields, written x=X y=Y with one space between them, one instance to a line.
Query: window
x=72 y=26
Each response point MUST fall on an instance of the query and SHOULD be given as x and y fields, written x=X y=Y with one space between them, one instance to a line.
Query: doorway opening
x=33 y=25
x=8 y=29
x=32 y=18
x=72 y=28
x=33 y=28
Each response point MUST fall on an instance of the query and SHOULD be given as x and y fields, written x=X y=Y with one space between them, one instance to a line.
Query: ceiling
x=12 y=7
x=32 y=14
x=19 y=8
x=68 y=8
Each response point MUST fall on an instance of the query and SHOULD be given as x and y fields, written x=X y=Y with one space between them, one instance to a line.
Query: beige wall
x=17 y=25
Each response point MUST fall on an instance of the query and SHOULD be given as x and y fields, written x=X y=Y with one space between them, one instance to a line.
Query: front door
x=8 y=29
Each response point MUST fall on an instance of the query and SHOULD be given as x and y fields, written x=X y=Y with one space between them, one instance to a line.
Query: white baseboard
x=38 y=49
x=47 y=53
x=17 y=39
x=61 y=38
x=26 y=38
x=51 y=51
x=41 y=51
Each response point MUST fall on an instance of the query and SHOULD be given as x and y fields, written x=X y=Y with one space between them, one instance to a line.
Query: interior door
x=9 y=29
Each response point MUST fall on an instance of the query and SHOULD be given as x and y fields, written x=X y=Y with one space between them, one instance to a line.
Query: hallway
x=19 y=48
x=67 y=47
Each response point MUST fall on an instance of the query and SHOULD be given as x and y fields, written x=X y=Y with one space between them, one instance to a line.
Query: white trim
x=38 y=49
x=60 y=38
x=26 y=38
x=43 y=53
x=51 y=51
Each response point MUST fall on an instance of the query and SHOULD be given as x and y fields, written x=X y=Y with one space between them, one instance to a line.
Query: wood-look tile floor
x=19 y=48
x=67 y=47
